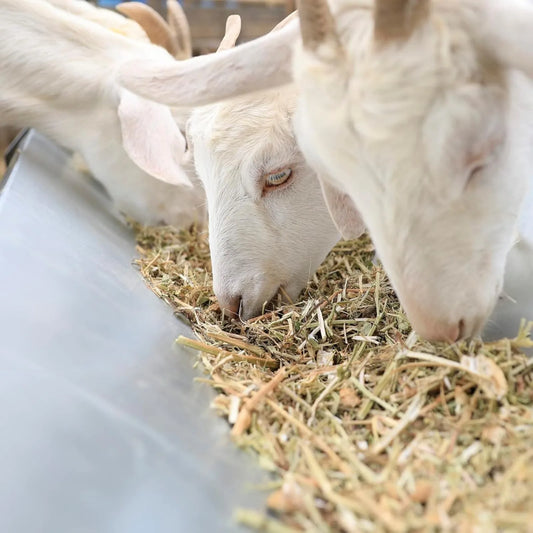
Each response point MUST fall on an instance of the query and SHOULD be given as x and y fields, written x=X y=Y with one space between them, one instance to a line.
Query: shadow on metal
x=103 y=427
x=516 y=302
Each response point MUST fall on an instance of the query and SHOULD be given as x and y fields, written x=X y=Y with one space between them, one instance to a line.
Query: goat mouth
x=461 y=329
x=269 y=305
x=273 y=302
x=284 y=295
x=279 y=298
x=234 y=312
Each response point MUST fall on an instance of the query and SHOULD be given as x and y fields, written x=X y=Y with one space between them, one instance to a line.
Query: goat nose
x=430 y=325
x=230 y=304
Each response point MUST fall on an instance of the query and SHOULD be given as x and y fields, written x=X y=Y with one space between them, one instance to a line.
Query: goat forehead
x=252 y=117
x=398 y=85
x=399 y=80
x=391 y=90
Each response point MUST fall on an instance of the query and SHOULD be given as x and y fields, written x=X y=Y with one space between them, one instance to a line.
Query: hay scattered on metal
x=365 y=427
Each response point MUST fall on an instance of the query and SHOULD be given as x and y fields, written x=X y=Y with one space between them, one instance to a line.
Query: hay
x=366 y=427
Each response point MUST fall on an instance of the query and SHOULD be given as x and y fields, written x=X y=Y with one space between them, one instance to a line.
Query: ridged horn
x=395 y=20
x=317 y=25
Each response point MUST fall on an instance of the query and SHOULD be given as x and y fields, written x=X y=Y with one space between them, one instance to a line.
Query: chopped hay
x=365 y=426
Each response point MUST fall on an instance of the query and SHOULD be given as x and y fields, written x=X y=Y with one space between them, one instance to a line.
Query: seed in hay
x=367 y=427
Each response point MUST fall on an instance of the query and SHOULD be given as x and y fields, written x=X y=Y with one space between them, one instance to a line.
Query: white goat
x=146 y=24
x=421 y=112
x=268 y=224
x=435 y=123
x=58 y=74
x=103 y=17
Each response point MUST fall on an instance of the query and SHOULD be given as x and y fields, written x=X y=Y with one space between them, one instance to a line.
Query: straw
x=365 y=426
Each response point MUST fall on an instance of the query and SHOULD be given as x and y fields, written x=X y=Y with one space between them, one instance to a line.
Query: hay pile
x=365 y=427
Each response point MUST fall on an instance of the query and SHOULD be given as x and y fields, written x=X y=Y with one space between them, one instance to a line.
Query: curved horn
x=150 y=21
x=316 y=24
x=396 y=19
x=285 y=21
x=180 y=30
x=233 y=29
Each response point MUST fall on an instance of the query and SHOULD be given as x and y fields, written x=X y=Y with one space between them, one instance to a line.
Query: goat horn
x=285 y=21
x=397 y=19
x=150 y=21
x=180 y=30
x=233 y=29
x=316 y=23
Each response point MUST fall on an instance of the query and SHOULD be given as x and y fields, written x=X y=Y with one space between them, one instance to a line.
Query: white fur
x=258 y=241
x=399 y=128
x=104 y=17
x=414 y=118
x=58 y=75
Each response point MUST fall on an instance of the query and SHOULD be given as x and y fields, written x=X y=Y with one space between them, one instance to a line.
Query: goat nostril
x=460 y=330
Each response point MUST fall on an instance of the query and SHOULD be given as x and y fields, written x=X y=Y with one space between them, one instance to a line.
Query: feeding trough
x=103 y=426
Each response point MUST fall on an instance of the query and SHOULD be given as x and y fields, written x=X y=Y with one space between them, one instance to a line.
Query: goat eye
x=277 y=178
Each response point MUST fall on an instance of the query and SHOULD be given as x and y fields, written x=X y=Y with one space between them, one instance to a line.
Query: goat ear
x=213 y=77
x=343 y=212
x=507 y=33
x=152 y=138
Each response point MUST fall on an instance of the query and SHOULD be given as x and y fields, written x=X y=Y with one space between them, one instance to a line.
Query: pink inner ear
x=152 y=138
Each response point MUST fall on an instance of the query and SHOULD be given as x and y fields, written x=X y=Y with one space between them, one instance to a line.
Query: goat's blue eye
x=277 y=178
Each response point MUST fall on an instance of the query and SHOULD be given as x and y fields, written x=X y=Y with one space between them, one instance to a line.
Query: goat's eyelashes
x=277 y=178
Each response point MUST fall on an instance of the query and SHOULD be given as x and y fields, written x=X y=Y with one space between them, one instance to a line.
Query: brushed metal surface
x=103 y=428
